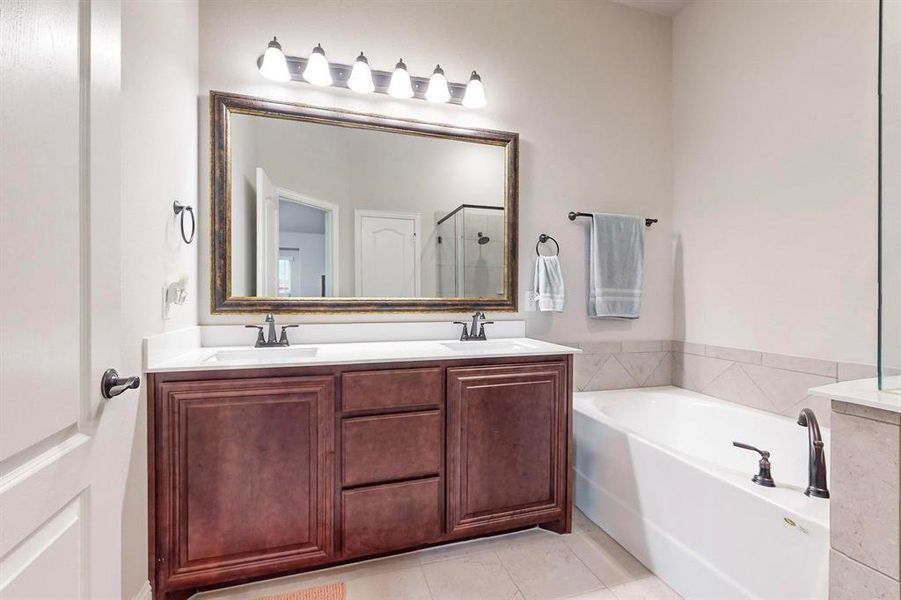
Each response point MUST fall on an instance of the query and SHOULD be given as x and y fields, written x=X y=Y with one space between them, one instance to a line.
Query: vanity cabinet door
x=507 y=446
x=248 y=480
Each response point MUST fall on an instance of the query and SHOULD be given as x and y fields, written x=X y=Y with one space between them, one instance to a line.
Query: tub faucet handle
x=765 y=476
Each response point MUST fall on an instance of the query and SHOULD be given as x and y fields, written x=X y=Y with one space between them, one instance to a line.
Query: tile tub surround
x=622 y=365
x=775 y=383
x=864 y=508
x=772 y=382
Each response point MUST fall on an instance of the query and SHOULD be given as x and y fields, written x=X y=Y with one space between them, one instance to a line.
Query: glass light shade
x=274 y=65
x=360 y=79
x=437 y=90
x=474 y=97
x=317 y=71
x=400 y=86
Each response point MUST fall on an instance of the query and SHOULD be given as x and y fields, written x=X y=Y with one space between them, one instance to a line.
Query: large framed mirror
x=317 y=210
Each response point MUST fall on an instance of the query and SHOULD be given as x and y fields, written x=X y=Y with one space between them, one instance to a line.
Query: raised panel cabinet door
x=507 y=446
x=249 y=478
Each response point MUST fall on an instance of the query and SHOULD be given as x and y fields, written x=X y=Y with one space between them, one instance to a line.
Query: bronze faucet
x=478 y=323
x=816 y=467
x=272 y=342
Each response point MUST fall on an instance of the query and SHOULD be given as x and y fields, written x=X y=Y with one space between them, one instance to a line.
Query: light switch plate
x=166 y=306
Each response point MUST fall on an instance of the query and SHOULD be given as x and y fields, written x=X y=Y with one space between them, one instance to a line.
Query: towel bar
x=573 y=215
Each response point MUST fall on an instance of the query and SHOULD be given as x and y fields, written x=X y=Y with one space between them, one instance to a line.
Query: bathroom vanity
x=270 y=461
x=305 y=458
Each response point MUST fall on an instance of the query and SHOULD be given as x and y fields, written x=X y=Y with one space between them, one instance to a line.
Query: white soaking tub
x=656 y=469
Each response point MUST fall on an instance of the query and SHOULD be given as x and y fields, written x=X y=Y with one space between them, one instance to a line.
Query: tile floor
x=529 y=565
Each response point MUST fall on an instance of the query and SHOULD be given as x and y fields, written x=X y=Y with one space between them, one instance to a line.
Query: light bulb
x=274 y=65
x=437 y=90
x=475 y=93
x=317 y=71
x=400 y=86
x=360 y=79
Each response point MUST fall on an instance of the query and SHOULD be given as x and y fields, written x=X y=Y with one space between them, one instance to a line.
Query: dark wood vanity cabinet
x=506 y=459
x=258 y=473
x=244 y=477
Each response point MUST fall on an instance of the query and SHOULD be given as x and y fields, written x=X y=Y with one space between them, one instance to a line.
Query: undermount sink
x=486 y=347
x=262 y=354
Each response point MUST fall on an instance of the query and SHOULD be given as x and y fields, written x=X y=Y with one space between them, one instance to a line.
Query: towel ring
x=180 y=209
x=543 y=239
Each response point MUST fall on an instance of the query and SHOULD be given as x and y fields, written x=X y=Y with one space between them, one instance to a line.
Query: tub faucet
x=816 y=467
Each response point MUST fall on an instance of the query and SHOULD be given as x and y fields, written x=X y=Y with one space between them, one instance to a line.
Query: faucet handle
x=260 y=339
x=283 y=339
x=765 y=476
x=763 y=453
x=465 y=335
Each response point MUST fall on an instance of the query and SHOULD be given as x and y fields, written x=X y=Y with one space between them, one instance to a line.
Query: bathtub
x=656 y=469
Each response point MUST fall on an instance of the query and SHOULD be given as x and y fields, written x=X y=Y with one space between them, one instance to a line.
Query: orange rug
x=333 y=591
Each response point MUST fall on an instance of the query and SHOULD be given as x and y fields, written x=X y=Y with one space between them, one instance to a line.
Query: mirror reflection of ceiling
x=300 y=218
x=326 y=170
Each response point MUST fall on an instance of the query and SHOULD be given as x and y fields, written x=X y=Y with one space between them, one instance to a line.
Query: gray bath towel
x=616 y=250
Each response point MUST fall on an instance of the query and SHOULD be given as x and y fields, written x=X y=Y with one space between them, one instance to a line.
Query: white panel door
x=387 y=254
x=63 y=449
x=267 y=235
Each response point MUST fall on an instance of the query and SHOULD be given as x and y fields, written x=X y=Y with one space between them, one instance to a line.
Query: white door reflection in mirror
x=297 y=242
x=386 y=254
x=267 y=235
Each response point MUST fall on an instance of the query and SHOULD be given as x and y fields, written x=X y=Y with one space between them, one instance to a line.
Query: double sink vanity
x=270 y=461
x=357 y=439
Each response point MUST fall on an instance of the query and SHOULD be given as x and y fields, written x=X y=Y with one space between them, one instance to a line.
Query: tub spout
x=816 y=468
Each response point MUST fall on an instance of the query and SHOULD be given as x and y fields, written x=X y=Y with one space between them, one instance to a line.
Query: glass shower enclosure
x=470 y=253
x=890 y=197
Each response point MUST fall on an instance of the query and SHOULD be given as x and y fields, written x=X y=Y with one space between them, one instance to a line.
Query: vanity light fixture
x=400 y=86
x=360 y=79
x=274 y=65
x=475 y=93
x=437 y=90
x=317 y=71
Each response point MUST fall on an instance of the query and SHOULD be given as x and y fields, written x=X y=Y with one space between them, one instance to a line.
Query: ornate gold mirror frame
x=223 y=105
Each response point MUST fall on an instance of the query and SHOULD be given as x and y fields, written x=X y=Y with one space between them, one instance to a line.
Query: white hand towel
x=549 y=289
x=614 y=266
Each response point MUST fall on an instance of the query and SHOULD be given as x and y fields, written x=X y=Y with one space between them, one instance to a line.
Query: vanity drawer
x=383 y=448
x=392 y=389
x=396 y=515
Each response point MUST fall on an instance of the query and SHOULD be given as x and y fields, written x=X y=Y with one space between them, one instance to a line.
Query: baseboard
x=144 y=593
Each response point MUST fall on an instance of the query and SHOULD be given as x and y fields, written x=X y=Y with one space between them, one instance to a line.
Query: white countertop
x=865 y=392
x=300 y=355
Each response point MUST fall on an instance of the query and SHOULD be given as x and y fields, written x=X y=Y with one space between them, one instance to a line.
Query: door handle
x=112 y=385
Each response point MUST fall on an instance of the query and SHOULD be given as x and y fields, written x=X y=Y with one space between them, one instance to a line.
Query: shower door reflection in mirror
x=324 y=210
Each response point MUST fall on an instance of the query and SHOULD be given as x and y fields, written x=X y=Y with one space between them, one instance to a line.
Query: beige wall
x=244 y=162
x=586 y=84
x=159 y=154
x=774 y=116
x=891 y=189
